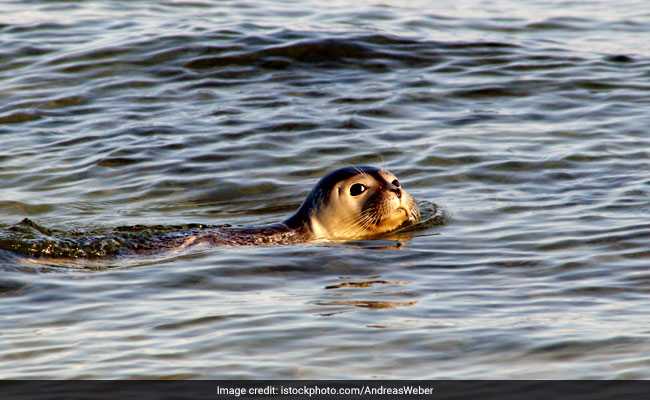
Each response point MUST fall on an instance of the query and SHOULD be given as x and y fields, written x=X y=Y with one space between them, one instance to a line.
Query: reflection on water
x=363 y=284
x=369 y=303
x=526 y=122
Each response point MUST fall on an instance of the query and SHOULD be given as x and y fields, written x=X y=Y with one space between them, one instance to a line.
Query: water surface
x=527 y=121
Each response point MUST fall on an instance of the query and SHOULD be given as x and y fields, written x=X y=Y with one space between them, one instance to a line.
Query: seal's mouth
x=428 y=214
x=405 y=211
x=412 y=214
x=399 y=218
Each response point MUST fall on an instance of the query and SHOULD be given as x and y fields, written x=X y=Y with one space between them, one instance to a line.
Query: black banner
x=353 y=390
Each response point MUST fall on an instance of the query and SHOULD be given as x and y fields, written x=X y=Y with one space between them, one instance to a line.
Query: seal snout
x=393 y=186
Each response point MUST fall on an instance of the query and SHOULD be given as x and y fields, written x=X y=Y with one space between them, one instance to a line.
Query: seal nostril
x=398 y=192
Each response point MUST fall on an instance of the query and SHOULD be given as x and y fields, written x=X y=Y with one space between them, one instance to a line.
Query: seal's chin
x=398 y=218
x=409 y=213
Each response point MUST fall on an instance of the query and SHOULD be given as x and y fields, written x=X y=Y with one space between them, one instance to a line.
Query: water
x=527 y=121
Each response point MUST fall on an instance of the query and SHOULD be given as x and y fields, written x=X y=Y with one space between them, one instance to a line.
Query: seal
x=347 y=204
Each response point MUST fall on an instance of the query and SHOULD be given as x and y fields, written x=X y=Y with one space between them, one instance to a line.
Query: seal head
x=355 y=203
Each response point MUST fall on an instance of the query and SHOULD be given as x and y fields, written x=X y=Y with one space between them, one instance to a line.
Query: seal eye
x=357 y=189
x=395 y=183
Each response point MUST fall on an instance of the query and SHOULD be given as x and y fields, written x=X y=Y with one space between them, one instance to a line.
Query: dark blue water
x=527 y=121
